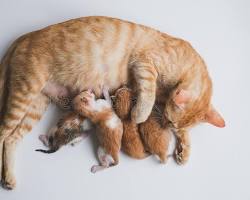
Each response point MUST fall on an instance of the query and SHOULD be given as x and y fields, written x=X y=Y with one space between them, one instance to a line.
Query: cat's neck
x=178 y=63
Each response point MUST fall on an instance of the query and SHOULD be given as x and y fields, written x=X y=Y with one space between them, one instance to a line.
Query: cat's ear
x=213 y=117
x=181 y=97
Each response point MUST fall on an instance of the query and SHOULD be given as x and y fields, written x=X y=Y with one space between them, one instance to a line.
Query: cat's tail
x=1 y=82
x=4 y=67
x=3 y=70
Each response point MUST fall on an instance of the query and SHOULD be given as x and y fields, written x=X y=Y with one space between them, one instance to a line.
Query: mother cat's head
x=190 y=104
x=189 y=97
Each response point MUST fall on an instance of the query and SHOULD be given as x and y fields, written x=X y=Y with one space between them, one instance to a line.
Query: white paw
x=94 y=168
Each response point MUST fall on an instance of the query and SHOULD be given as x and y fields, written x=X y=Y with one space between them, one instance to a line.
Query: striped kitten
x=92 y=51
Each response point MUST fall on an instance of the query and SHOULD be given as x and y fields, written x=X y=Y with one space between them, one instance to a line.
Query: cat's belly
x=95 y=77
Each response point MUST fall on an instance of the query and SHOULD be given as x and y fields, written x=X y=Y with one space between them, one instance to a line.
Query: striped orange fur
x=89 y=52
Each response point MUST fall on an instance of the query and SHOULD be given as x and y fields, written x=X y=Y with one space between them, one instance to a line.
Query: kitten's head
x=68 y=128
x=83 y=103
x=123 y=102
x=182 y=110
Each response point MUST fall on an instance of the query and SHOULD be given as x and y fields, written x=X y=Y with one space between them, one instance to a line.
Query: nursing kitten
x=70 y=129
x=155 y=137
x=149 y=136
x=91 y=52
x=109 y=126
x=131 y=141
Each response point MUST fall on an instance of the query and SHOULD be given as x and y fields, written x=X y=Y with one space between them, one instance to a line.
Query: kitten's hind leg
x=105 y=160
x=97 y=168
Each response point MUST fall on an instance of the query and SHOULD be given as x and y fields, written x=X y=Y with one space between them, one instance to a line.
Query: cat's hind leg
x=22 y=91
x=32 y=116
x=105 y=160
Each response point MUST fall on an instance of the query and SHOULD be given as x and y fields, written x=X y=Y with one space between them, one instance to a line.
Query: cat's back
x=100 y=29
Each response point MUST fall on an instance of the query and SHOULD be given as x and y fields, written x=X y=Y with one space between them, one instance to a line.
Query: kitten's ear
x=213 y=117
x=181 y=97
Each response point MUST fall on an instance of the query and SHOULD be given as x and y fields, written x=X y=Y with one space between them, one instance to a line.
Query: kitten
x=131 y=142
x=93 y=51
x=149 y=136
x=70 y=129
x=155 y=137
x=109 y=126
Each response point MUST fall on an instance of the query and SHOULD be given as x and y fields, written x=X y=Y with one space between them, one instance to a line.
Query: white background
x=219 y=166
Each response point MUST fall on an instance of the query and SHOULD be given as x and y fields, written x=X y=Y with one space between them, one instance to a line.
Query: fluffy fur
x=149 y=136
x=155 y=137
x=70 y=128
x=131 y=141
x=90 y=52
x=109 y=126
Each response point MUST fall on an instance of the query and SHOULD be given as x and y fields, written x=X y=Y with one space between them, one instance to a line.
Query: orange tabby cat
x=90 y=52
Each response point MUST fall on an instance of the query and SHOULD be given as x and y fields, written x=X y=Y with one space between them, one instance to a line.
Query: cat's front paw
x=182 y=153
x=138 y=116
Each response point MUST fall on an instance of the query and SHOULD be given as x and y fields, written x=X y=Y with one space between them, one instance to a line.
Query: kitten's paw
x=181 y=153
x=137 y=116
x=95 y=168
x=9 y=182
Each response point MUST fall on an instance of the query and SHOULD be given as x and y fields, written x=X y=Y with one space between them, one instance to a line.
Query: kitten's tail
x=47 y=151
